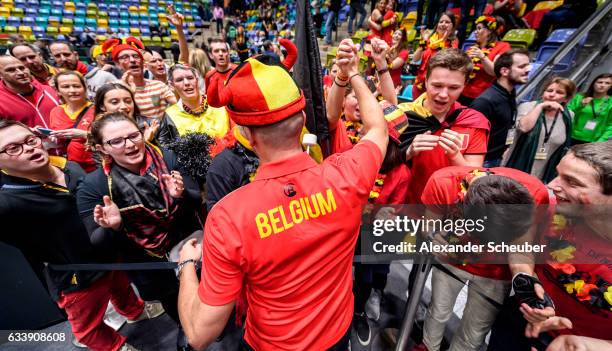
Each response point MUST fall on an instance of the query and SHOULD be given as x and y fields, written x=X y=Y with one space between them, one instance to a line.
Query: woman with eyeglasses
x=116 y=97
x=138 y=204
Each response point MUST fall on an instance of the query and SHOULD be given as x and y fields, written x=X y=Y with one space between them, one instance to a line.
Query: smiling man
x=498 y=102
x=151 y=96
x=462 y=138
x=31 y=57
x=24 y=99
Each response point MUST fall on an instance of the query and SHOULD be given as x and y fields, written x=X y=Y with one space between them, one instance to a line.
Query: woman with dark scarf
x=543 y=133
x=138 y=204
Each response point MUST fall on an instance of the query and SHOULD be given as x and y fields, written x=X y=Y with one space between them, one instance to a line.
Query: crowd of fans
x=130 y=159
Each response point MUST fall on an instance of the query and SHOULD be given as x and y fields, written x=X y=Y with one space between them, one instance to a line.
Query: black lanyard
x=548 y=132
x=600 y=109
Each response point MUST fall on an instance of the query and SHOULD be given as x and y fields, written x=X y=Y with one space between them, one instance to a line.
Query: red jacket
x=17 y=107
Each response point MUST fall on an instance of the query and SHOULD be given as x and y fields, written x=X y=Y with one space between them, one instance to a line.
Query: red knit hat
x=258 y=92
x=116 y=46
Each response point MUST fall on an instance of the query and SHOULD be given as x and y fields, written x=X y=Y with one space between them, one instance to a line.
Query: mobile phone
x=45 y=131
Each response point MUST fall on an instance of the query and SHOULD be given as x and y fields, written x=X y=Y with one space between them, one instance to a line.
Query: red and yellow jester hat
x=116 y=46
x=258 y=92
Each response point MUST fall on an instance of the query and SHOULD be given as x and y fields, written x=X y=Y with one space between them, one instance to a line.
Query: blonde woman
x=198 y=60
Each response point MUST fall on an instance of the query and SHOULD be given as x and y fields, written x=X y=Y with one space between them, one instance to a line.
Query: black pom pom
x=193 y=154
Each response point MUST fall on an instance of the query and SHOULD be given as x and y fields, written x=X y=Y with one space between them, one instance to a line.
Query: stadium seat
x=552 y=44
x=145 y=23
x=124 y=23
x=134 y=23
x=469 y=42
x=91 y=22
x=145 y=31
x=92 y=6
x=81 y=6
x=102 y=14
x=520 y=38
x=70 y=6
x=5 y=12
x=113 y=23
x=113 y=14
x=76 y=31
x=65 y=30
x=547 y=5
x=102 y=23
x=146 y=40
x=102 y=7
x=157 y=41
x=560 y=36
x=134 y=15
x=8 y=3
x=14 y=21
x=406 y=95
x=18 y=12
x=68 y=22
x=10 y=29
x=92 y=14
x=80 y=13
x=166 y=42
x=79 y=22
x=25 y=30
x=52 y=31
x=330 y=57
x=135 y=31
x=100 y=31
x=409 y=21
x=38 y=31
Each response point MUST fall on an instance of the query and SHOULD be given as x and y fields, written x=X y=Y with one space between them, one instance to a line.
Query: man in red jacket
x=24 y=99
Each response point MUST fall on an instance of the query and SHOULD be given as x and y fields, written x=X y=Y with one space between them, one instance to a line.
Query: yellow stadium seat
x=547 y=5
x=143 y=9
x=52 y=31
x=135 y=31
x=146 y=40
x=31 y=38
x=166 y=41
x=25 y=30
x=10 y=29
x=8 y=3
x=173 y=34
x=70 y=6
x=92 y=13
x=133 y=9
x=102 y=23
x=17 y=12
x=65 y=30
x=53 y=22
x=92 y=6
x=5 y=12
x=157 y=41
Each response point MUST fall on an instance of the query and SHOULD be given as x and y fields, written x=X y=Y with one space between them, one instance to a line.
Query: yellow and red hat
x=116 y=46
x=258 y=92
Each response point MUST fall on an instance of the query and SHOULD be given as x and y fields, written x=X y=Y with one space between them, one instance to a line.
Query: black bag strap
x=80 y=116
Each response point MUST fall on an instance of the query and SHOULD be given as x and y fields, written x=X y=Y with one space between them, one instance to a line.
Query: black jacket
x=44 y=223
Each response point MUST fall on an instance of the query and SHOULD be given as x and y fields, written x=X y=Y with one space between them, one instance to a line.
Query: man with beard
x=151 y=96
x=66 y=57
x=24 y=99
x=32 y=58
x=498 y=102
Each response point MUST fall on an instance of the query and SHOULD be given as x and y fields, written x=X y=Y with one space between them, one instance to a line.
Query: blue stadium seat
x=560 y=36
x=28 y=21
x=31 y=12
x=44 y=12
x=76 y=31
x=68 y=14
x=13 y=21
x=113 y=14
x=406 y=95
x=469 y=42
x=145 y=31
x=101 y=31
x=38 y=30
x=134 y=23
x=123 y=23
x=552 y=44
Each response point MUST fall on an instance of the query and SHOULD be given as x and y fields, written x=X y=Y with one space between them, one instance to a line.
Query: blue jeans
x=356 y=8
x=492 y=163
x=331 y=17
x=466 y=8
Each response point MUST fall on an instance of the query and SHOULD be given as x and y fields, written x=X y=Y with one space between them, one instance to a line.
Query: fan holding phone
x=70 y=121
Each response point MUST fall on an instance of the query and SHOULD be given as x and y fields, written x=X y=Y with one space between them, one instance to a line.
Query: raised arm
x=177 y=20
x=380 y=49
x=335 y=96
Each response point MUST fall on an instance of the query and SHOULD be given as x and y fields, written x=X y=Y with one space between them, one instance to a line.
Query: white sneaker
x=151 y=310
x=372 y=307
x=128 y=347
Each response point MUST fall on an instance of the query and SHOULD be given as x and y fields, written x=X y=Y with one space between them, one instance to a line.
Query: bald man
x=23 y=98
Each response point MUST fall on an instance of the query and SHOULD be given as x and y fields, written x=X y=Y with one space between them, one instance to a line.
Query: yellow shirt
x=214 y=121
x=417 y=106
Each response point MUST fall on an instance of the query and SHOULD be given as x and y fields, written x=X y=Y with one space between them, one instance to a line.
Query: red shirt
x=76 y=150
x=396 y=73
x=288 y=239
x=482 y=80
x=586 y=320
x=443 y=189
x=225 y=74
x=475 y=128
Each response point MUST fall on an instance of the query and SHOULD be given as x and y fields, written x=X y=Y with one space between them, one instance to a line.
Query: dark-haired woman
x=483 y=54
x=138 y=204
x=593 y=116
x=443 y=36
x=116 y=97
x=71 y=120
x=543 y=133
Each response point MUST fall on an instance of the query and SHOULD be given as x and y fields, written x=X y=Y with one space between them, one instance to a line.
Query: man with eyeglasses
x=24 y=99
x=151 y=96
x=39 y=216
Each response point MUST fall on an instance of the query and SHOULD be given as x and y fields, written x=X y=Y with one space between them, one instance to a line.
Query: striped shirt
x=153 y=98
